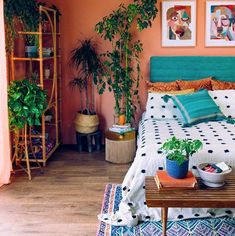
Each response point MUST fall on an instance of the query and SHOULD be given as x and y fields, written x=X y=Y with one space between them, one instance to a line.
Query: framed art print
x=178 y=23
x=220 y=23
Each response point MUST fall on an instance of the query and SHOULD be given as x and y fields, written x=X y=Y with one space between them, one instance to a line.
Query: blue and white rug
x=224 y=226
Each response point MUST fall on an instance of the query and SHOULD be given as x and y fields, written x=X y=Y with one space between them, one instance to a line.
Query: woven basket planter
x=86 y=123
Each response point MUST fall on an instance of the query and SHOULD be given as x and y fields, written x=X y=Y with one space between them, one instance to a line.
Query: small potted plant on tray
x=177 y=153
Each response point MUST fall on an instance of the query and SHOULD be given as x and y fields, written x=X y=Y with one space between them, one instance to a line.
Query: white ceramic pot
x=212 y=179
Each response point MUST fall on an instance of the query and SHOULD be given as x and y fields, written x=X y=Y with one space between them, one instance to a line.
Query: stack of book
x=164 y=181
x=121 y=129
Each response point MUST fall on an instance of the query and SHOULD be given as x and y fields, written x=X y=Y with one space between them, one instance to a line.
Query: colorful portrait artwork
x=220 y=30
x=178 y=23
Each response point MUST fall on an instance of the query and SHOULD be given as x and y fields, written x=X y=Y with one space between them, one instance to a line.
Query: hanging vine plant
x=20 y=11
x=121 y=68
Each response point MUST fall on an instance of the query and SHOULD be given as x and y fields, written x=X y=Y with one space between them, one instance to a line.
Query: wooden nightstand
x=120 y=148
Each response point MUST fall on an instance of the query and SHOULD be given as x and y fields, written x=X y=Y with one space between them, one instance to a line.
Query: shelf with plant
x=23 y=18
x=36 y=63
x=121 y=71
x=26 y=104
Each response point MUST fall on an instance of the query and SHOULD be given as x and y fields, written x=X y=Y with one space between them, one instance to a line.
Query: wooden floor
x=64 y=200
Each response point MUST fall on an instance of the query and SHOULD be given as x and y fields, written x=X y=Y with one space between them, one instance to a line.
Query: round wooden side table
x=120 y=148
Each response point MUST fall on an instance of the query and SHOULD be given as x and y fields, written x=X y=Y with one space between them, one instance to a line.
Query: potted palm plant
x=177 y=153
x=85 y=60
x=122 y=64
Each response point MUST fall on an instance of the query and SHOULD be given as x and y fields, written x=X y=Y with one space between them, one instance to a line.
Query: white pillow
x=225 y=99
x=158 y=109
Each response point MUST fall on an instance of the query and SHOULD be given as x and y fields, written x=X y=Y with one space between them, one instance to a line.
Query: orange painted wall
x=78 y=21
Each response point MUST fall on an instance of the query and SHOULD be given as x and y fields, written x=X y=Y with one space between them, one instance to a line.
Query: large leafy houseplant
x=177 y=153
x=26 y=103
x=122 y=63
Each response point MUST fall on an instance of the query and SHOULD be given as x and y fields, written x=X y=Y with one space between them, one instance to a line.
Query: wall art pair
x=179 y=23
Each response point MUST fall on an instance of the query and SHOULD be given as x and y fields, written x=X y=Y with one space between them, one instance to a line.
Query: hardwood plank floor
x=64 y=200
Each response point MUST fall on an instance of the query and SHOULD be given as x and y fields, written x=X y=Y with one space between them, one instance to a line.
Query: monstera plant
x=122 y=63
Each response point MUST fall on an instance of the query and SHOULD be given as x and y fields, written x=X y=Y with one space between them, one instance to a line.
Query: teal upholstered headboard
x=171 y=68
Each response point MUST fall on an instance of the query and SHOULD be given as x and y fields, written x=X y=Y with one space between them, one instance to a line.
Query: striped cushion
x=196 y=107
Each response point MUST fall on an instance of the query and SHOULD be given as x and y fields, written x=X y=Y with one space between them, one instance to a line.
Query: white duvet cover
x=218 y=145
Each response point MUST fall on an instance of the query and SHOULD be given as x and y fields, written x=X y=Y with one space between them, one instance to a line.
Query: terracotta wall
x=78 y=20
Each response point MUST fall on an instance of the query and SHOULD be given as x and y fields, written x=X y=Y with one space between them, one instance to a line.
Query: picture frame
x=178 y=23
x=220 y=23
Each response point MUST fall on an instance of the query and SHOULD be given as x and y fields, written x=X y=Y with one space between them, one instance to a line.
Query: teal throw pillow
x=196 y=107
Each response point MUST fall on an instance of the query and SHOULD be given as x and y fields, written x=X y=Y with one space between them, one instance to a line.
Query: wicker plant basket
x=86 y=123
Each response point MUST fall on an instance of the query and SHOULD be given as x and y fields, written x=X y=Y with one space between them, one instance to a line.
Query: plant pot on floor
x=31 y=51
x=175 y=170
x=86 y=123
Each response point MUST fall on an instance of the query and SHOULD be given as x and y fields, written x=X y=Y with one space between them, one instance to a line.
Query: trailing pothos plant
x=121 y=68
x=26 y=103
x=24 y=12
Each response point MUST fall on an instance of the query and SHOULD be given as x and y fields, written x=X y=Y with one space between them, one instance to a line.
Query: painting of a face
x=179 y=23
x=178 y=20
x=222 y=23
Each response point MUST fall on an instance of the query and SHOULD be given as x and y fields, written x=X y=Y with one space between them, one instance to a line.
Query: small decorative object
x=220 y=23
x=178 y=23
x=46 y=52
x=48 y=116
x=178 y=152
x=47 y=72
x=211 y=175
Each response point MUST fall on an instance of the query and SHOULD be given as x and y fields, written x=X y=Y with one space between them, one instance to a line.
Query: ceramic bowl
x=212 y=179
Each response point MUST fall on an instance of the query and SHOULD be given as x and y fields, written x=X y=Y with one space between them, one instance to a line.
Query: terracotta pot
x=122 y=119
x=86 y=123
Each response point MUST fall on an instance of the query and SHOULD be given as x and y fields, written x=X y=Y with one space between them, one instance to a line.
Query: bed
x=218 y=139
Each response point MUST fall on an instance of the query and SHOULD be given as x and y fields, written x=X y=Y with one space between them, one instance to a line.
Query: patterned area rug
x=224 y=226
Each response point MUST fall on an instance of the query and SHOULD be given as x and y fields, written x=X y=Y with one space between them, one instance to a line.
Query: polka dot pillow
x=225 y=99
x=158 y=109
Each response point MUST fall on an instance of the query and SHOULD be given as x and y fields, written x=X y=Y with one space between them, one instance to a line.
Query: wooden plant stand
x=22 y=145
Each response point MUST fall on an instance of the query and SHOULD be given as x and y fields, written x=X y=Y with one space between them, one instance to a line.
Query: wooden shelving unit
x=48 y=132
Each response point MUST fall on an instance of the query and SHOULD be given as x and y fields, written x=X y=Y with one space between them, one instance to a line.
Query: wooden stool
x=120 y=149
x=88 y=138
